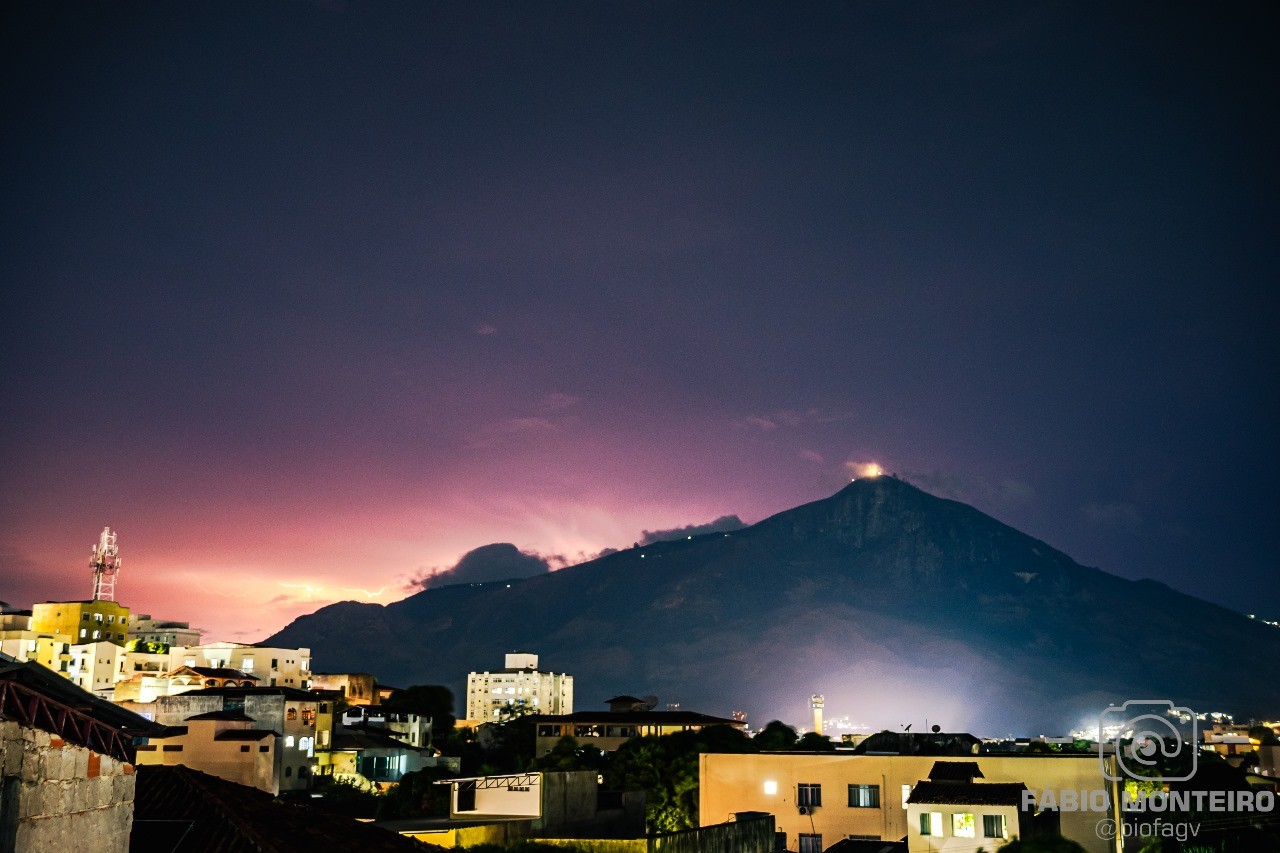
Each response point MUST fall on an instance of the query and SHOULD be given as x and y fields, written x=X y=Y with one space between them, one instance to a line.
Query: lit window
x=906 y=794
x=931 y=823
x=288 y=740
x=962 y=826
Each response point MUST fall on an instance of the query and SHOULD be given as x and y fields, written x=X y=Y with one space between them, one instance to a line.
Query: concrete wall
x=56 y=797
x=767 y=782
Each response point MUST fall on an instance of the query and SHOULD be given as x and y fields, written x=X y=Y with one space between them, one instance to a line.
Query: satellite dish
x=650 y=702
x=937 y=729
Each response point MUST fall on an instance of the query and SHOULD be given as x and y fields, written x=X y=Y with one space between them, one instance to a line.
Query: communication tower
x=105 y=563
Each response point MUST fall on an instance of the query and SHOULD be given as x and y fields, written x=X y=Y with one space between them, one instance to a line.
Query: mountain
x=899 y=606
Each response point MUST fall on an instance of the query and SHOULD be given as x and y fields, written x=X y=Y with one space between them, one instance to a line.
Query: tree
x=814 y=742
x=776 y=736
x=426 y=700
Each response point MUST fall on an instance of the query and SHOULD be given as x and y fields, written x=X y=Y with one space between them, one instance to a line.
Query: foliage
x=339 y=796
x=1264 y=735
x=147 y=647
x=416 y=795
x=666 y=769
x=568 y=755
x=776 y=736
x=426 y=700
x=814 y=742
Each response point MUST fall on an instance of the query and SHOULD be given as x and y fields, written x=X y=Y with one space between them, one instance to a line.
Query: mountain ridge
x=885 y=598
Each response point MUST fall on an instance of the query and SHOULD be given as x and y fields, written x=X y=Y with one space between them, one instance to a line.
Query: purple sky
x=306 y=300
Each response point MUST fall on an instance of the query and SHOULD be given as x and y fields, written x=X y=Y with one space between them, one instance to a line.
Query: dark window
x=173 y=747
x=467 y=796
x=147 y=747
x=546 y=730
x=993 y=826
x=810 y=842
x=244 y=748
x=288 y=772
x=264 y=748
x=809 y=795
x=864 y=796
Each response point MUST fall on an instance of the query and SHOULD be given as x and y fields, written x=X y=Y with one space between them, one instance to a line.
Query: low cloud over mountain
x=723 y=524
x=497 y=562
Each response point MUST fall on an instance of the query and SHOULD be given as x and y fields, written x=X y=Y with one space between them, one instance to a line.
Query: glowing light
x=770 y=787
x=864 y=469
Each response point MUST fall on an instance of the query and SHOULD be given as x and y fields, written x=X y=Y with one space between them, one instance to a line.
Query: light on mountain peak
x=864 y=469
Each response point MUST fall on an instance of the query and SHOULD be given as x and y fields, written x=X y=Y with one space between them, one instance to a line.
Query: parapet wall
x=56 y=797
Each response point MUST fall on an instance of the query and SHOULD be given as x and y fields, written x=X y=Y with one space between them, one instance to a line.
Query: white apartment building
x=273 y=667
x=145 y=629
x=96 y=667
x=520 y=688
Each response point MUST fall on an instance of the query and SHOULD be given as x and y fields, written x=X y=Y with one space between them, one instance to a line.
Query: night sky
x=306 y=300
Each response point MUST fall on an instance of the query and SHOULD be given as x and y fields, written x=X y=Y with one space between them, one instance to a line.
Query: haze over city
x=307 y=301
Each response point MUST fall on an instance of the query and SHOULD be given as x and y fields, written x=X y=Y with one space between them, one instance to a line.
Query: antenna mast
x=105 y=563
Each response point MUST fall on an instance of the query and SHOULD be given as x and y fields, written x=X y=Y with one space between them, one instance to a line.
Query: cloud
x=494 y=433
x=556 y=401
x=723 y=524
x=812 y=456
x=859 y=469
x=486 y=329
x=790 y=418
x=970 y=489
x=1113 y=514
x=497 y=562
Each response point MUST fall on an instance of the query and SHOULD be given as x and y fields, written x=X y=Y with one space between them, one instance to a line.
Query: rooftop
x=204 y=814
x=968 y=793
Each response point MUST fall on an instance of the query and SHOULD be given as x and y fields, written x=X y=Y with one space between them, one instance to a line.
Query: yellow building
x=52 y=651
x=820 y=798
x=83 y=621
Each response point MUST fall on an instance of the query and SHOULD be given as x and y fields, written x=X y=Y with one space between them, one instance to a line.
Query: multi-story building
x=273 y=667
x=52 y=651
x=147 y=630
x=518 y=688
x=83 y=621
x=226 y=744
x=354 y=688
x=821 y=798
x=96 y=667
x=290 y=714
x=626 y=719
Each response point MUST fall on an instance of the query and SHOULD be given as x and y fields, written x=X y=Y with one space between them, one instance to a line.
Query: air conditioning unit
x=804 y=810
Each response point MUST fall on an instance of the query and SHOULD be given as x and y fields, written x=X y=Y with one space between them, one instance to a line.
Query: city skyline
x=314 y=299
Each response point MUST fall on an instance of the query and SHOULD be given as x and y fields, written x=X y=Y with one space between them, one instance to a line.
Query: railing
x=31 y=708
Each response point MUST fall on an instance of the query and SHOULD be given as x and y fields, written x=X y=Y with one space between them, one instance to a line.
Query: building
x=821 y=798
x=271 y=666
x=148 y=687
x=519 y=688
x=66 y=764
x=82 y=621
x=627 y=718
x=175 y=805
x=413 y=729
x=52 y=651
x=144 y=629
x=952 y=811
x=226 y=744
x=290 y=713
x=96 y=667
x=354 y=688
x=13 y=619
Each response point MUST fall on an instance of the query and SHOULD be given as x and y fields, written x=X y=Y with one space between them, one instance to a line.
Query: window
x=931 y=823
x=962 y=826
x=810 y=842
x=809 y=795
x=264 y=748
x=246 y=664
x=993 y=826
x=864 y=796
x=83 y=633
x=172 y=747
x=906 y=795
x=288 y=772
x=244 y=748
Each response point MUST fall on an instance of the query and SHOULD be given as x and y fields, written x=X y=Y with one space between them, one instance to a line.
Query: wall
x=736 y=783
x=55 y=796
